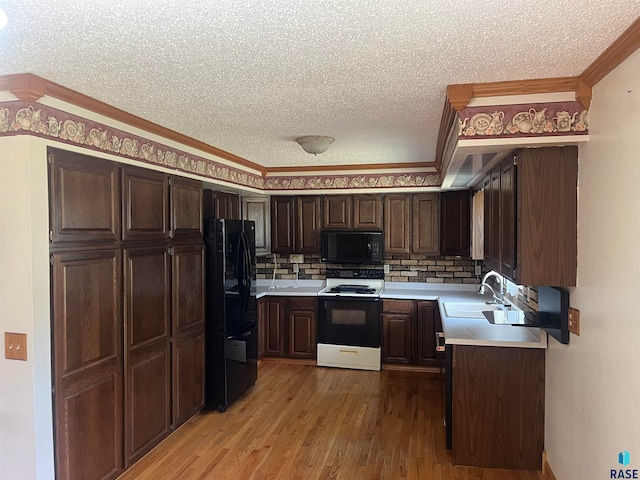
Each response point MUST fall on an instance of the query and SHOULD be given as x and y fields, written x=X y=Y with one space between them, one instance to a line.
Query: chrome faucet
x=483 y=284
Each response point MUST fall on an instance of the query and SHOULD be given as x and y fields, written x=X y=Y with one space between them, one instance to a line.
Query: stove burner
x=352 y=289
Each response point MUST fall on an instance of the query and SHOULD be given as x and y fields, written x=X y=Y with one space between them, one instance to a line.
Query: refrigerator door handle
x=246 y=281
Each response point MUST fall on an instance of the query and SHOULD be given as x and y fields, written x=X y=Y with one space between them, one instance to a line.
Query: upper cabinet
x=258 y=210
x=85 y=198
x=397 y=224
x=362 y=212
x=411 y=224
x=337 y=211
x=145 y=196
x=221 y=205
x=426 y=220
x=455 y=222
x=185 y=197
x=531 y=217
x=295 y=224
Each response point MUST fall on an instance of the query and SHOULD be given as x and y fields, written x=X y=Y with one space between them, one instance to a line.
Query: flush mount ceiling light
x=315 y=143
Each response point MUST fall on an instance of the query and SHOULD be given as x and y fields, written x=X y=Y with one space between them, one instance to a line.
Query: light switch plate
x=15 y=346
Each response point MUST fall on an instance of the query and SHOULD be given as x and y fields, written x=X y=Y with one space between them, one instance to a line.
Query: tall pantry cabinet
x=128 y=310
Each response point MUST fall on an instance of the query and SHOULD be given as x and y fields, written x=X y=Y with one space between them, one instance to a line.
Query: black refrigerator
x=231 y=311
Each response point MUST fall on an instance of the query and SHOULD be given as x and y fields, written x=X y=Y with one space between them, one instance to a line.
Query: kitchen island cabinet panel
x=498 y=407
x=427 y=324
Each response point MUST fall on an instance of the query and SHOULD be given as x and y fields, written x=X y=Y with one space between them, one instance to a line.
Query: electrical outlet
x=387 y=269
x=574 y=321
x=296 y=258
x=15 y=346
x=478 y=270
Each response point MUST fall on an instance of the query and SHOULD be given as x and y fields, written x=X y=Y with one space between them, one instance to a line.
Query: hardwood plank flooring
x=304 y=422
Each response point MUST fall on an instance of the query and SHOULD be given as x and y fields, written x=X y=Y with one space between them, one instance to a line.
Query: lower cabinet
x=288 y=326
x=408 y=332
x=497 y=393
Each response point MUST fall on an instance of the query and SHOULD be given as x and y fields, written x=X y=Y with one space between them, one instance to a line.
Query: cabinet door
x=221 y=205
x=494 y=218
x=233 y=207
x=274 y=327
x=367 y=212
x=487 y=211
x=145 y=202
x=455 y=221
x=187 y=331
x=397 y=227
x=257 y=209
x=282 y=228
x=426 y=220
x=397 y=338
x=85 y=198
x=547 y=215
x=302 y=334
x=308 y=224
x=428 y=324
x=147 y=359
x=185 y=196
x=87 y=364
x=337 y=211
x=508 y=217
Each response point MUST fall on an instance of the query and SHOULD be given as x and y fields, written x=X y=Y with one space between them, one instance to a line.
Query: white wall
x=26 y=441
x=593 y=385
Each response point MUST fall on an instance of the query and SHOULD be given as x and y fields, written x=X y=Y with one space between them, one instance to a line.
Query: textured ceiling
x=248 y=77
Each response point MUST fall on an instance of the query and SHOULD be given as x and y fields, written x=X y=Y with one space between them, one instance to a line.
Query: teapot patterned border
x=559 y=118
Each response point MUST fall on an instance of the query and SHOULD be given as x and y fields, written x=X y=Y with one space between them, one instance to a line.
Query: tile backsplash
x=414 y=268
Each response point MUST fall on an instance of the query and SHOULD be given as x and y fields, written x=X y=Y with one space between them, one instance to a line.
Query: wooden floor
x=304 y=422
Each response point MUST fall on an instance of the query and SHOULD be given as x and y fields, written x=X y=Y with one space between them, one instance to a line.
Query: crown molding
x=30 y=88
x=618 y=52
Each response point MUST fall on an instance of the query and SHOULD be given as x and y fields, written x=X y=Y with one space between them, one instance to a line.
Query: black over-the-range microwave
x=351 y=246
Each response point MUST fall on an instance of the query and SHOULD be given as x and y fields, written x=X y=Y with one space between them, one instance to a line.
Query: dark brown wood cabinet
x=397 y=224
x=455 y=223
x=295 y=224
x=509 y=384
x=367 y=212
x=127 y=317
x=398 y=337
x=221 y=205
x=187 y=331
x=337 y=211
x=425 y=224
x=147 y=353
x=185 y=200
x=273 y=327
x=363 y=212
x=307 y=225
x=84 y=198
x=288 y=326
x=428 y=323
x=507 y=199
x=282 y=224
x=531 y=217
x=302 y=327
x=145 y=202
x=408 y=332
x=88 y=368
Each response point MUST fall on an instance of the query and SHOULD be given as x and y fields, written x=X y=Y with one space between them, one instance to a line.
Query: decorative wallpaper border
x=25 y=118
x=20 y=117
x=524 y=120
x=327 y=182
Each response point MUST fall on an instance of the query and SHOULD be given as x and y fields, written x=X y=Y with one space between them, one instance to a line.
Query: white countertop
x=457 y=331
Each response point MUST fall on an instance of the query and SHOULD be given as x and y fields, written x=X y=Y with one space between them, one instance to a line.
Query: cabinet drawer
x=397 y=306
x=302 y=303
